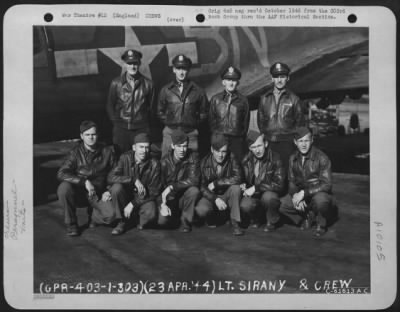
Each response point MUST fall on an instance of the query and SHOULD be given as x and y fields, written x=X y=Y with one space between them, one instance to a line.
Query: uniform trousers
x=284 y=149
x=167 y=140
x=206 y=209
x=72 y=196
x=123 y=138
x=182 y=204
x=268 y=201
x=320 y=203
x=121 y=196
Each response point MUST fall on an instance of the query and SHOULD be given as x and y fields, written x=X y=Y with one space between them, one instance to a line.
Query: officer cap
x=86 y=125
x=252 y=136
x=178 y=137
x=131 y=56
x=231 y=73
x=218 y=140
x=301 y=132
x=181 y=61
x=279 y=69
x=141 y=138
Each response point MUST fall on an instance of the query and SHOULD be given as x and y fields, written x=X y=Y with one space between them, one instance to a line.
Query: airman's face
x=181 y=73
x=230 y=85
x=141 y=150
x=304 y=144
x=258 y=147
x=132 y=68
x=280 y=81
x=89 y=137
x=220 y=155
x=180 y=150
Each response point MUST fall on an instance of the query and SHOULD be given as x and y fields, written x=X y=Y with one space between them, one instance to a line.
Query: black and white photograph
x=202 y=156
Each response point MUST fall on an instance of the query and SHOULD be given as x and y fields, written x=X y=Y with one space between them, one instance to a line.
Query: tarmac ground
x=208 y=260
x=169 y=257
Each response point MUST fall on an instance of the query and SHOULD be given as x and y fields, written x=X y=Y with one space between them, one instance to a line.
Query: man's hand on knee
x=90 y=188
x=221 y=205
x=128 y=210
x=250 y=191
x=106 y=196
x=297 y=198
x=301 y=206
x=165 y=210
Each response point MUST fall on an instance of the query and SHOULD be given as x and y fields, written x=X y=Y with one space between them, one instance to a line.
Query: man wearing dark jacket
x=221 y=176
x=264 y=176
x=310 y=184
x=180 y=176
x=229 y=112
x=130 y=101
x=136 y=184
x=280 y=113
x=182 y=104
x=83 y=175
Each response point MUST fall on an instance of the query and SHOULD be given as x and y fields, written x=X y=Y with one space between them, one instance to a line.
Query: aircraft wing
x=322 y=65
x=346 y=72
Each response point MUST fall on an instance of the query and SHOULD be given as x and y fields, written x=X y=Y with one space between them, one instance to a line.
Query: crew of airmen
x=248 y=178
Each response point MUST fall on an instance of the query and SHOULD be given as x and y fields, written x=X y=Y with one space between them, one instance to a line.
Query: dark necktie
x=180 y=87
x=257 y=168
x=219 y=170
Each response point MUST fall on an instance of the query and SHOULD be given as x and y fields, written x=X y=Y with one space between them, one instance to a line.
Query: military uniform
x=229 y=114
x=82 y=164
x=279 y=114
x=312 y=174
x=129 y=105
x=181 y=106
x=267 y=176
x=123 y=190
x=226 y=178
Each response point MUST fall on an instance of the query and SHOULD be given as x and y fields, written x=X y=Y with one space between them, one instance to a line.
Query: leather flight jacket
x=81 y=164
x=186 y=110
x=231 y=174
x=280 y=120
x=229 y=113
x=271 y=175
x=313 y=176
x=127 y=171
x=180 y=174
x=130 y=108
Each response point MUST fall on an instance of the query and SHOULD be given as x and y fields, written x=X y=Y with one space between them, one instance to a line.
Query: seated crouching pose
x=264 y=176
x=221 y=176
x=180 y=177
x=136 y=184
x=310 y=185
x=83 y=177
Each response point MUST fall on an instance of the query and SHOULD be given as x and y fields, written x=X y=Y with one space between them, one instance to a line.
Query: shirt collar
x=267 y=155
x=309 y=155
x=215 y=164
x=278 y=92
x=125 y=78
x=273 y=91
x=87 y=151
x=140 y=164
x=231 y=94
x=186 y=84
